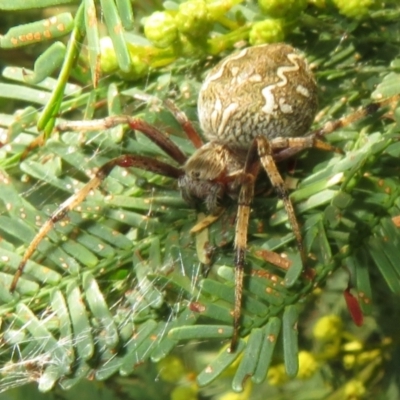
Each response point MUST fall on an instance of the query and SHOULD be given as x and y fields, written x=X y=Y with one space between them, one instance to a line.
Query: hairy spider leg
x=301 y=143
x=332 y=126
x=180 y=116
x=265 y=153
x=149 y=164
x=246 y=194
x=125 y=161
x=262 y=153
x=184 y=122
x=154 y=134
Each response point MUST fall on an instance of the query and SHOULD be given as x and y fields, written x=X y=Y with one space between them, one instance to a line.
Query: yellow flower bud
x=184 y=393
x=308 y=365
x=193 y=18
x=328 y=328
x=171 y=369
x=318 y=3
x=108 y=59
x=277 y=375
x=353 y=8
x=267 y=31
x=282 y=8
x=354 y=389
x=160 y=28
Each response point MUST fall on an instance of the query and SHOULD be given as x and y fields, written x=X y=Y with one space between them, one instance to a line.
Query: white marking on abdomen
x=221 y=69
x=225 y=117
x=269 y=106
x=285 y=108
x=302 y=90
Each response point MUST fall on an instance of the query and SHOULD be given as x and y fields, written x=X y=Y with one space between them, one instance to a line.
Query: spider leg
x=125 y=161
x=362 y=112
x=332 y=126
x=267 y=157
x=246 y=195
x=180 y=116
x=155 y=135
x=184 y=122
x=261 y=152
x=265 y=152
x=300 y=143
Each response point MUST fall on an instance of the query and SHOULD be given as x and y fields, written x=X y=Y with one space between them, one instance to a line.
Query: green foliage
x=121 y=281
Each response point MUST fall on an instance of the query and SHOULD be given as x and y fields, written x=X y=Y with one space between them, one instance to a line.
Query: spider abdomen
x=267 y=90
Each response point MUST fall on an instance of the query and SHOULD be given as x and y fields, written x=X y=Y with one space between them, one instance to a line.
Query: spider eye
x=196 y=174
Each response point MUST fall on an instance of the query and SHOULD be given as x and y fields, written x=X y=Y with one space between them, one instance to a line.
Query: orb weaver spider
x=255 y=108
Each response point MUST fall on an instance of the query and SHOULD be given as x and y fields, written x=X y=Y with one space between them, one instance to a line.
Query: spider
x=255 y=107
